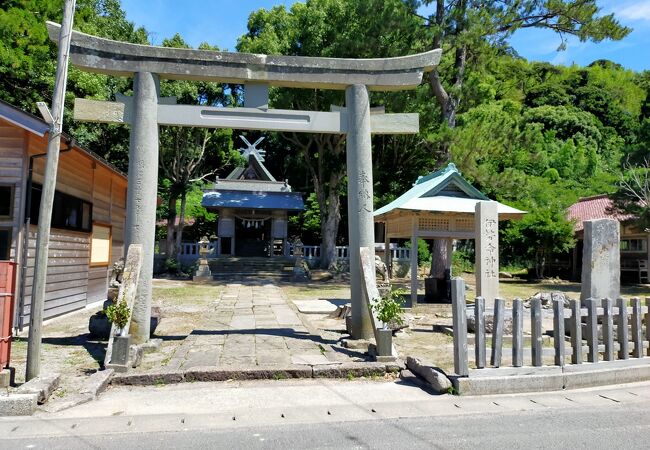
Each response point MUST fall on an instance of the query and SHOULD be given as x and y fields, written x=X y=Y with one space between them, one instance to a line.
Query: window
x=68 y=212
x=5 y=244
x=6 y=202
x=100 y=248
x=633 y=245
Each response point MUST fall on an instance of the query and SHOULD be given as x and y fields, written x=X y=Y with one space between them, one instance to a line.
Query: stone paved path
x=253 y=325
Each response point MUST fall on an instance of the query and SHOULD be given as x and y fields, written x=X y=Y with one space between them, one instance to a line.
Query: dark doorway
x=252 y=237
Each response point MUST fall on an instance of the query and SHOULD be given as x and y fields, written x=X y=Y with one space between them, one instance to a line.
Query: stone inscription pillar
x=601 y=260
x=360 y=193
x=486 y=221
x=142 y=193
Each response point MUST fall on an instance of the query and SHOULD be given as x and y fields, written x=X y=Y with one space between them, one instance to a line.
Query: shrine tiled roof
x=288 y=201
x=591 y=208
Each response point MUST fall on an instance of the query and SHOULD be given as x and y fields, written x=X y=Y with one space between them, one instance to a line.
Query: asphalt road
x=338 y=414
x=602 y=428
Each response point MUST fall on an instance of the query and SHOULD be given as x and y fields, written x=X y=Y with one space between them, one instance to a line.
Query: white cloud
x=638 y=11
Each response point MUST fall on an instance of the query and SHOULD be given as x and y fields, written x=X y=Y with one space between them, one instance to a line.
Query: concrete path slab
x=316 y=306
x=249 y=326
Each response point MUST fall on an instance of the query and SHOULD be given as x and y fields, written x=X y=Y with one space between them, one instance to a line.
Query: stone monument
x=601 y=260
x=486 y=221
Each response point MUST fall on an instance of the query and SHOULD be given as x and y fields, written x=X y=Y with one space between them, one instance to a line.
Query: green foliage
x=424 y=254
x=308 y=223
x=389 y=308
x=462 y=261
x=118 y=313
x=542 y=232
x=172 y=265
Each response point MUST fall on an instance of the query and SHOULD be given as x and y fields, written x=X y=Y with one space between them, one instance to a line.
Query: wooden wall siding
x=71 y=284
x=118 y=218
x=66 y=288
x=12 y=145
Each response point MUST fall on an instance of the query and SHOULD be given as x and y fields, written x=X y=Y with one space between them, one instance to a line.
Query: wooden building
x=253 y=208
x=440 y=205
x=87 y=221
x=635 y=242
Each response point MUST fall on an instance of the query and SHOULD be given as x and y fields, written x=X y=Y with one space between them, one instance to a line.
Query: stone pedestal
x=384 y=342
x=203 y=272
x=601 y=260
x=121 y=346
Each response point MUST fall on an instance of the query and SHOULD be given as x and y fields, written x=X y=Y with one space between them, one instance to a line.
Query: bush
x=389 y=308
x=462 y=262
x=118 y=313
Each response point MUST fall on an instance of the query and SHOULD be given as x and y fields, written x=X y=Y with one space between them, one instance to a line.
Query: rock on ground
x=432 y=375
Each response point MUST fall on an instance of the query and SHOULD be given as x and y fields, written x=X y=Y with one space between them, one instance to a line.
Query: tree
x=633 y=194
x=330 y=28
x=28 y=60
x=541 y=233
x=188 y=156
x=465 y=28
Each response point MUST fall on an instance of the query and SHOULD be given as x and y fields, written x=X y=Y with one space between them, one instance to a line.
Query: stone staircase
x=278 y=268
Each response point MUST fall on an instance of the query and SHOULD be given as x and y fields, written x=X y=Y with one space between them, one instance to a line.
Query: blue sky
x=221 y=22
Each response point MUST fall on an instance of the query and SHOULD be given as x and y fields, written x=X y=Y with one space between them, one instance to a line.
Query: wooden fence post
x=517 y=333
x=576 y=332
x=497 y=332
x=637 y=335
x=592 y=330
x=558 y=331
x=460 y=326
x=647 y=323
x=623 y=349
x=479 y=339
x=536 y=331
x=608 y=329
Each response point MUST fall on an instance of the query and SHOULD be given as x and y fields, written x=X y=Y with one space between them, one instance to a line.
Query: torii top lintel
x=110 y=57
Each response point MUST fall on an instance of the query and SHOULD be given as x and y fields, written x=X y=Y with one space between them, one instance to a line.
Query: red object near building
x=7 y=297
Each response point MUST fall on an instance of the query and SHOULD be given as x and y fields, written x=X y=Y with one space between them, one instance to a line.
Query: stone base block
x=18 y=404
x=202 y=278
x=152 y=345
x=136 y=353
x=7 y=377
x=97 y=383
x=121 y=350
x=117 y=368
x=41 y=386
x=356 y=344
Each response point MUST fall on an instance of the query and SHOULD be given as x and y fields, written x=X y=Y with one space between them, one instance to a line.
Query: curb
x=347 y=370
x=552 y=378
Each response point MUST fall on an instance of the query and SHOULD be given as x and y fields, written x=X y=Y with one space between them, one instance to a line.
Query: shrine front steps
x=232 y=268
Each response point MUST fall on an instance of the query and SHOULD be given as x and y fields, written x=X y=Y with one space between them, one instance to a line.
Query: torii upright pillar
x=141 y=194
x=360 y=193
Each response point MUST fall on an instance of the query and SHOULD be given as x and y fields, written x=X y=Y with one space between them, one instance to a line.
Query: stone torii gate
x=146 y=110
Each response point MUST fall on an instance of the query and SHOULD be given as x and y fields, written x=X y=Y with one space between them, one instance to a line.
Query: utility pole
x=47 y=196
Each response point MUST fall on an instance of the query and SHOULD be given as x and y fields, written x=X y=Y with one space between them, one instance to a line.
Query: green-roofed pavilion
x=440 y=205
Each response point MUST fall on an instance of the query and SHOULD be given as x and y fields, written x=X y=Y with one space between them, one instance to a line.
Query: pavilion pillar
x=360 y=194
x=387 y=254
x=142 y=192
x=414 y=262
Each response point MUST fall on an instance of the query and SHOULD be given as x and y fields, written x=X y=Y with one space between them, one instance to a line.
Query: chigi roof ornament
x=252 y=149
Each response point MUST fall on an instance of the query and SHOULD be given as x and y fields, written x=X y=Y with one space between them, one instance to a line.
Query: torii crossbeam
x=146 y=110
